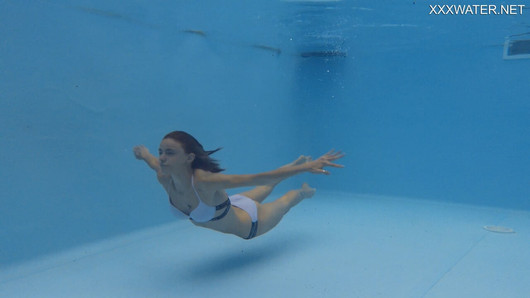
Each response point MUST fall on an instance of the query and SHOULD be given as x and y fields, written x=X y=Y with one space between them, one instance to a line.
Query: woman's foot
x=300 y=160
x=306 y=191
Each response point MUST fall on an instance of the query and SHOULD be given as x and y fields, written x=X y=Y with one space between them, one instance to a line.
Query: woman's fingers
x=138 y=151
x=337 y=156
x=320 y=171
x=326 y=161
x=329 y=164
x=330 y=152
x=334 y=155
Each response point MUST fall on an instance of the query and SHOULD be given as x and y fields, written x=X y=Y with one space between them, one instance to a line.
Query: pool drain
x=499 y=229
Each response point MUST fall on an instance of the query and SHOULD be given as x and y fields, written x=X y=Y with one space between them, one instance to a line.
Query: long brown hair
x=202 y=159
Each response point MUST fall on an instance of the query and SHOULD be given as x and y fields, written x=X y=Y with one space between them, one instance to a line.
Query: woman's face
x=172 y=156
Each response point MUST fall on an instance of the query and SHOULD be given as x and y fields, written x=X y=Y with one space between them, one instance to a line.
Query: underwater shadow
x=233 y=262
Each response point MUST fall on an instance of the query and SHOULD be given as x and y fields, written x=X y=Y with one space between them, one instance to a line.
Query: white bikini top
x=205 y=213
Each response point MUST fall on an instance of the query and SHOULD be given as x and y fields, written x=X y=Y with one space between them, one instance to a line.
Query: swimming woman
x=196 y=187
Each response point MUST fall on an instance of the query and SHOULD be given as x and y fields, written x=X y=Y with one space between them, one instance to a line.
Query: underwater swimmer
x=196 y=187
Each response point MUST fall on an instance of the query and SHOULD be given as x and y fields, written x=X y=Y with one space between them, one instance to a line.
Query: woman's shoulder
x=206 y=180
x=164 y=179
x=203 y=176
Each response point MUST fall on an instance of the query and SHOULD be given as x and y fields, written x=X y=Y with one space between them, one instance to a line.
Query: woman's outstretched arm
x=221 y=181
x=142 y=153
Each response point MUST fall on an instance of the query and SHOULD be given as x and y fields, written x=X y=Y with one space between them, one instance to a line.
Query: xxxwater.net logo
x=477 y=9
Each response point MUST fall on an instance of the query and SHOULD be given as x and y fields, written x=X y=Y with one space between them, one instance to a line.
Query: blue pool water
x=433 y=119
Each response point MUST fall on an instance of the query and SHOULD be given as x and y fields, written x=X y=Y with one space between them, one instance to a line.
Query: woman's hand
x=141 y=152
x=317 y=166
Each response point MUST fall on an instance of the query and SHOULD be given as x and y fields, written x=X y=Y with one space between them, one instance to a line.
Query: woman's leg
x=270 y=214
x=260 y=193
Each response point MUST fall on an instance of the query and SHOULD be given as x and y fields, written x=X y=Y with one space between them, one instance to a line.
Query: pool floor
x=333 y=245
